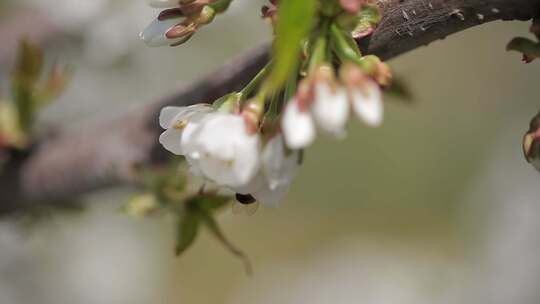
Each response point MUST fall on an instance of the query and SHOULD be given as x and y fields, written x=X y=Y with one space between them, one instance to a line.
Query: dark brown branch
x=79 y=161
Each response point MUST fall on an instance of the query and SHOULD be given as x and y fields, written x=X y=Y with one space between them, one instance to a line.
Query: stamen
x=179 y=125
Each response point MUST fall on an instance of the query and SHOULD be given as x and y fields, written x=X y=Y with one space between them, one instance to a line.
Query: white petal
x=278 y=168
x=271 y=197
x=170 y=115
x=254 y=185
x=247 y=161
x=228 y=154
x=154 y=34
x=167 y=115
x=368 y=104
x=177 y=140
x=170 y=140
x=163 y=3
x=331 y=109
x=194 y=167
x=298 y=127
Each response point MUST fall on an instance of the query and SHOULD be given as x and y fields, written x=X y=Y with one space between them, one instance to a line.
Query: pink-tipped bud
x=531 y=143
x=352 y=6
x=304 y=94
x=172 y=13
x=352 y=75
x=252 y=114
x=181 y=31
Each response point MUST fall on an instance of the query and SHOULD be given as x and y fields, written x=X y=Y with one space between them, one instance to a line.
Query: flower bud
x=252 y=113
x=269 y=12
x=181 y=31
x=206 y=15
x=531 y=143
x=351 y=6
x=377 y=69
x=172 y=13
x=155 y=34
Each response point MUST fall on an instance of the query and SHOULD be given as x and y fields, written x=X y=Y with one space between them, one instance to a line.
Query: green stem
x=250 y=87
x=320 y=48
x=221 y=5
x=290 y=86
x=346 y=50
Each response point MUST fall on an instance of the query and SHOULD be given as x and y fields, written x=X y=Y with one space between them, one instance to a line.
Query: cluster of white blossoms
x=251 y=143
x=324 y=103
x=222 y=147
x=226 y=146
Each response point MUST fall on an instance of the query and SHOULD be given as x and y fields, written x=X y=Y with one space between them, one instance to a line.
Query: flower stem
x=320 y=48
x=250 y=87
x=346 y=49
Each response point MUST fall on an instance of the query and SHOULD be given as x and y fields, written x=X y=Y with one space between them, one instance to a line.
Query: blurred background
x=436 y=206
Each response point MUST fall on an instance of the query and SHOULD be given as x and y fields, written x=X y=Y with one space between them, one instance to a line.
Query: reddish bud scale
x=353 y=77
x=269 y=12
x=362 y=34
x=195 y=7
x=170 y=14
x=527 y=59
x=181 y=30
x=383 y=75
x=352 y=6
x=252 y=116
x=305 y=95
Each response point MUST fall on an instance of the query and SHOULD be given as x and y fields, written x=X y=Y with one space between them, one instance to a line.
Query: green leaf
x=344 y=45
x=212 y=202
x=29 y=62
x=213 y=227
x=526 y=46
x=295 y=19
x=26 y=74
x=188 y=227
x=10 y=131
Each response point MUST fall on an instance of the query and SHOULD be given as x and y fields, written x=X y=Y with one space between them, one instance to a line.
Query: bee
x=245 y=203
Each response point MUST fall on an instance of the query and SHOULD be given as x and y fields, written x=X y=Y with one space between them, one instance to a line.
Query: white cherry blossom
x=223 y=151
x=278 y=169
x=179 y=123
x=298 y=126
x=331 y=109
x=367 y=103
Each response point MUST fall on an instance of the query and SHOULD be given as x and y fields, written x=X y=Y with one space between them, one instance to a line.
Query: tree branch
x=79 y=161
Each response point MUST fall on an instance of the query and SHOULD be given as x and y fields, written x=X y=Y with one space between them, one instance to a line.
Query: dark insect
x=245 y=199
x=245 y=204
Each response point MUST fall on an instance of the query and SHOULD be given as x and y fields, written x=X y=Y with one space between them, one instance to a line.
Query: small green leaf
x=368 y=18
x=188 y=227
x=10 y=131
x=25 y=76
x=29 y=62
x=213 y=227
x=295 y=19
x=212 y=202
x=527 y=47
